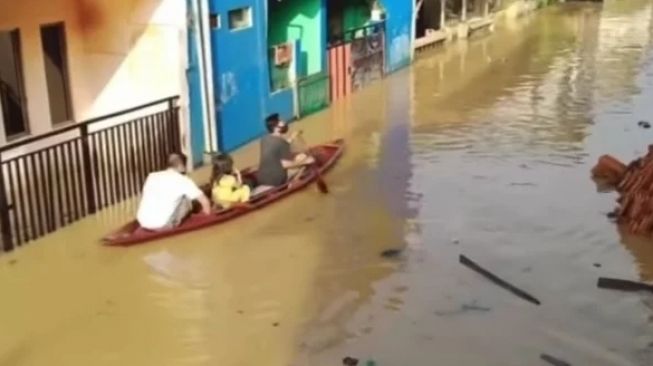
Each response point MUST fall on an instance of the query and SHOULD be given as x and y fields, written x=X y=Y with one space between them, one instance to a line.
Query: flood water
x=483 y=148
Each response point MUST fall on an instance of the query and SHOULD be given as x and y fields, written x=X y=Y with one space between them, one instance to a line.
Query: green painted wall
x=356 y=14
x=345 y=15
x=290 y=20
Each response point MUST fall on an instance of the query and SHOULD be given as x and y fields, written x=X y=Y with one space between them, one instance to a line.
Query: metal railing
x=51 y=180
x=349 y=35
x=313 y=93
x=355 y=59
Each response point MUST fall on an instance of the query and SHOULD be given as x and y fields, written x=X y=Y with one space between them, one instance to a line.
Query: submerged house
x=256 y=54
x=95 y=93
x=291 y=57
x=92 y=98
x=259 y=49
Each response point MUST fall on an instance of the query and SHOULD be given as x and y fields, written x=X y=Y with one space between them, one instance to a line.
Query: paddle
x=321 y=185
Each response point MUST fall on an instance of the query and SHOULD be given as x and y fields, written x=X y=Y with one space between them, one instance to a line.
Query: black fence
x=51 y=180
x=349 y=35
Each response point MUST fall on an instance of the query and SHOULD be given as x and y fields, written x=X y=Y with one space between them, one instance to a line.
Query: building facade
x=66 y=61
x=95 y=93
x=93 y=96
x=287 y=51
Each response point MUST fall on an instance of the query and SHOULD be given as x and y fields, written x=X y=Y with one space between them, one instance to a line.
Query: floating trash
x=350 y=361
x=623 y=285
x=498 y=281
x=553 y=360
x=391 y=253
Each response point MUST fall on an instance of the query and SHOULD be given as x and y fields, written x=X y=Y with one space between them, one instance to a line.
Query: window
x=12 y=90
x=53 y=42
x=240 y=18
x=214 y=21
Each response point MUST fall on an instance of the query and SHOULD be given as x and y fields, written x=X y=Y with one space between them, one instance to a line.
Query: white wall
x=121 y=53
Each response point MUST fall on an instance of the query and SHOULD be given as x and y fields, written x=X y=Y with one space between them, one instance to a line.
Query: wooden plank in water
x=553 y=361
x=622 y=285
x=498 y=281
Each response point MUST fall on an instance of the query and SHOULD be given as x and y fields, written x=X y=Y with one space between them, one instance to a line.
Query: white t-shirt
x=162 y=194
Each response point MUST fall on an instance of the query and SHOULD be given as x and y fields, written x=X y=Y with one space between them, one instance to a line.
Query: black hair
x=177 y=158
x=222 y=164
x=272 y=121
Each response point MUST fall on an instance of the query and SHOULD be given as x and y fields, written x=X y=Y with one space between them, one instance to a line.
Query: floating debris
x=635 y=187
x=644 y=124
x=522 y=294
x=13 y=261
x=523 y=184
x=622 y=285
x=464 y=308
x=609 y=170
x=350 y=361
x=391 y=253
x=275 y=324
x=597 y=265
x=474 y=307
x=553 y=361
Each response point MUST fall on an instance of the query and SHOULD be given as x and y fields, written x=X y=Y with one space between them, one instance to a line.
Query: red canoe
x=327 y=155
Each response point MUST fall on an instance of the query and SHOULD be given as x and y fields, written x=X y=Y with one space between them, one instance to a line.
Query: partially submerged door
x=236 y=39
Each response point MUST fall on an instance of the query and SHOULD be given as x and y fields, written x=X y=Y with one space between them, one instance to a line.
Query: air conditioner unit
x=283 y=54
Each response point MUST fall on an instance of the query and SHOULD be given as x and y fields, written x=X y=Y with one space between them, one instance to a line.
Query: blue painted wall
x=241 y=76
x=241 y=73
x=399 y=20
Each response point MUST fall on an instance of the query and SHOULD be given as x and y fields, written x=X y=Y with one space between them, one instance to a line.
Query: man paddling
x=168 y=196
x=276 y=155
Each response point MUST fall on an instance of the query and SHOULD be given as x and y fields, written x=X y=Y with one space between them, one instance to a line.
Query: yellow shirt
x=228 y=191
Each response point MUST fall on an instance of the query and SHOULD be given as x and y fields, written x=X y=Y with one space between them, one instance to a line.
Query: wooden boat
x=326 y=156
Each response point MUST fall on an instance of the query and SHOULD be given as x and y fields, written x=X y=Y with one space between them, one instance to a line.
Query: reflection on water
x=482 y=148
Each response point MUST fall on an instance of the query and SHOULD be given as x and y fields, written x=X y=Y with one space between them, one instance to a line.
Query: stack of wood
x=609 y=170
x=634 y=183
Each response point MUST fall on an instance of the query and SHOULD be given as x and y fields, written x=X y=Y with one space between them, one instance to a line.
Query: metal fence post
x=88 y=173
x=5 y=222
x=175 y=145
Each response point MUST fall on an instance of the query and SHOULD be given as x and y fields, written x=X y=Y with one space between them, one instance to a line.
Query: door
x=194 y=79
x=236 y=39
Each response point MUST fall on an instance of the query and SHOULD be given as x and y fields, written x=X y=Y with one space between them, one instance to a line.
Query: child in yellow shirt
x=227 y=185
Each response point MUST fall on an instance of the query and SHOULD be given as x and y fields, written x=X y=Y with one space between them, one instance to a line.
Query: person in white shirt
x=168 y=196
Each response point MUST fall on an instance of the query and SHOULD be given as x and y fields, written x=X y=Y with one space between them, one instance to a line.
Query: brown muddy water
x=482 y=148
